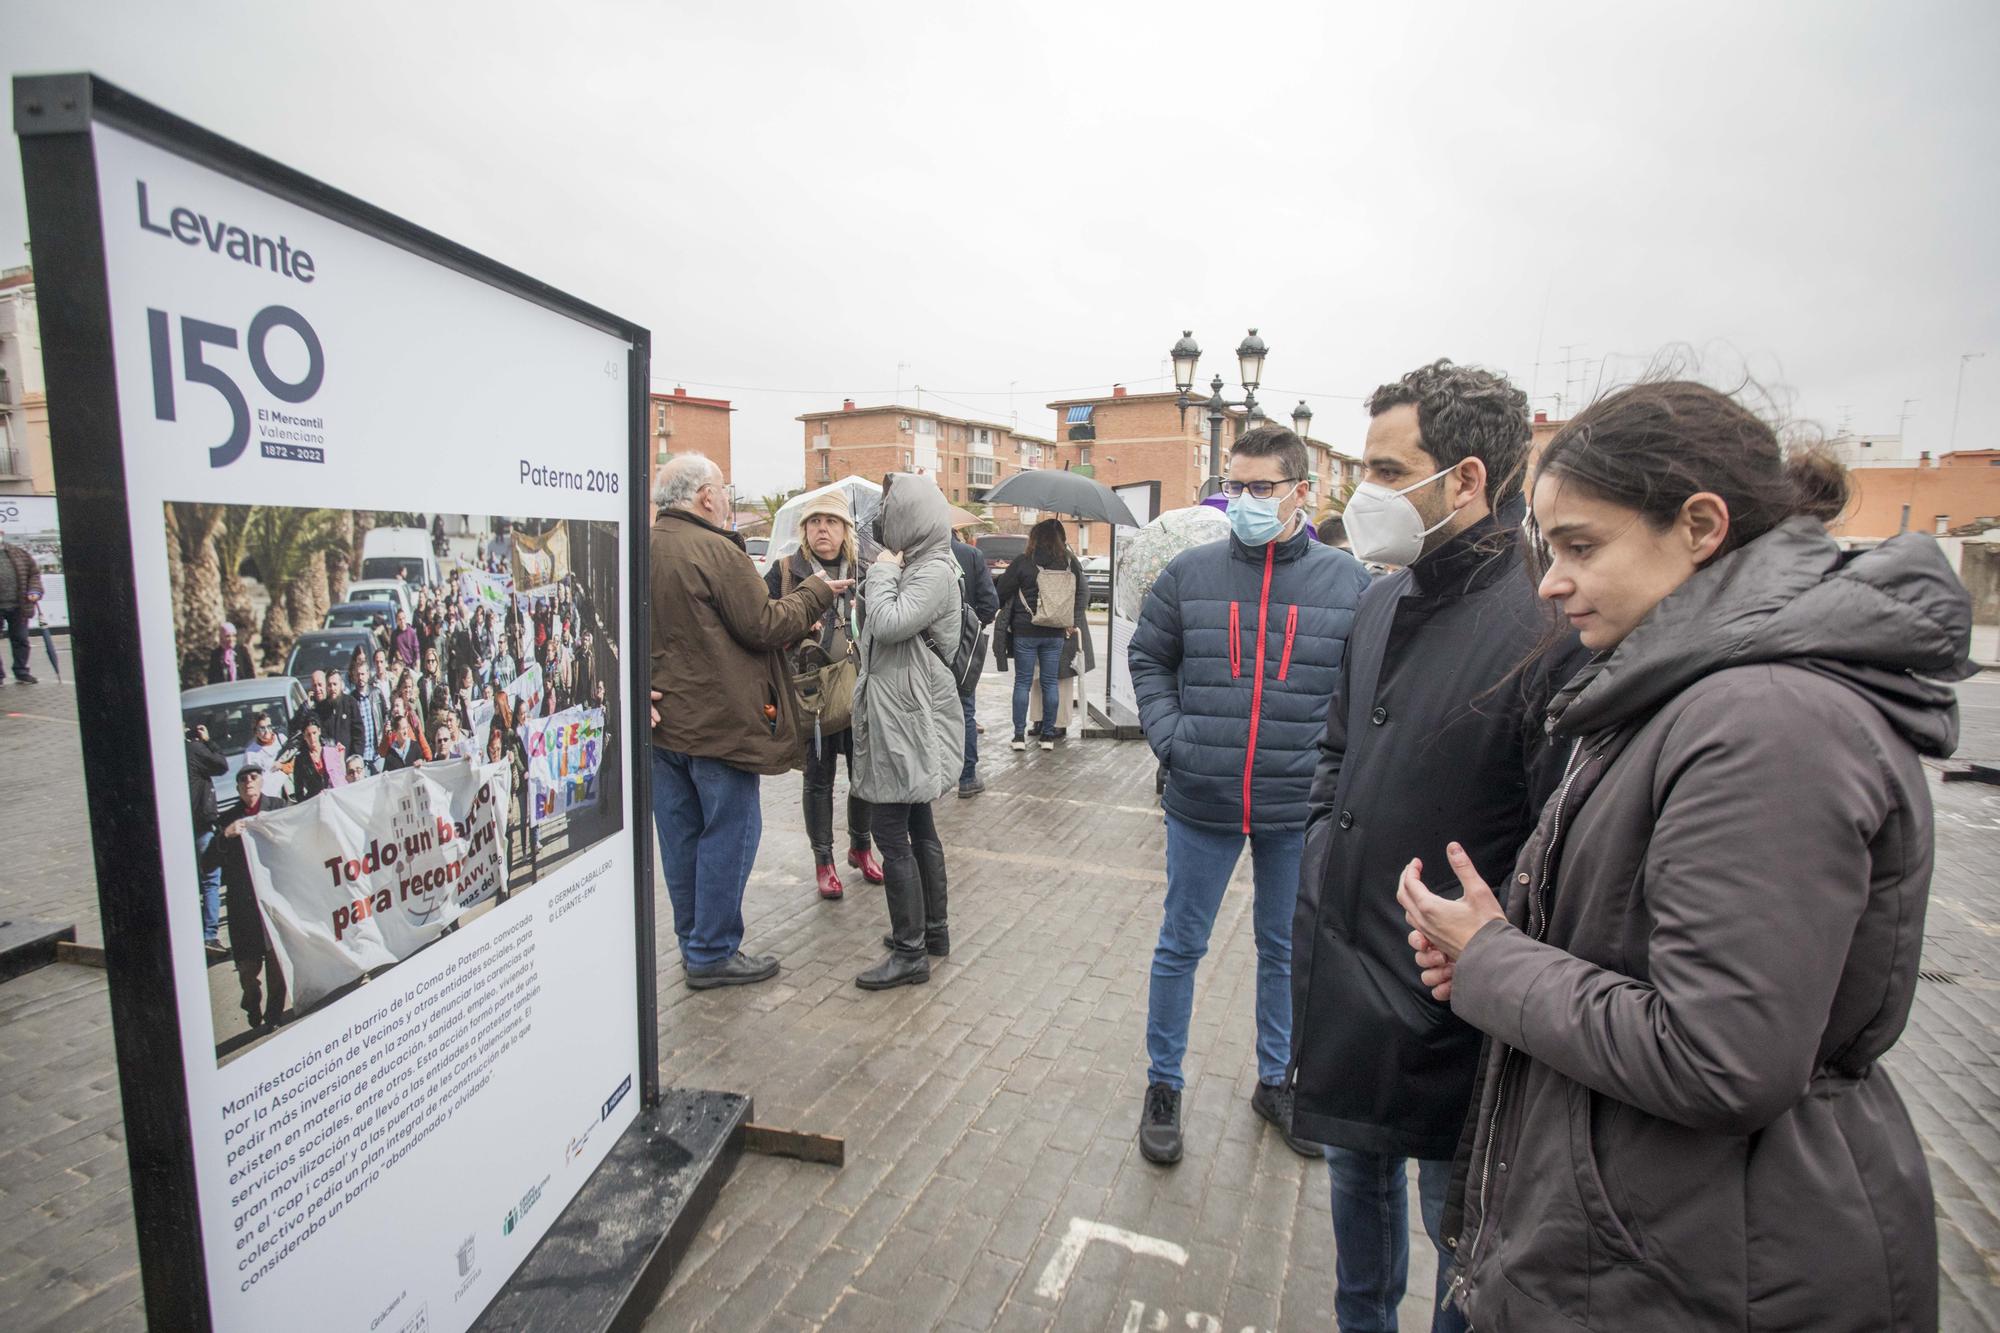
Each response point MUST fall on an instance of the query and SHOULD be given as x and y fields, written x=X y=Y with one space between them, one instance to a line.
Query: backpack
x=1055 y=598
x=968 y=657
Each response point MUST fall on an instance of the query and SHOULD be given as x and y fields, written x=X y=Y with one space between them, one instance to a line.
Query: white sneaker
x=1048 y=742
x=1018 y=743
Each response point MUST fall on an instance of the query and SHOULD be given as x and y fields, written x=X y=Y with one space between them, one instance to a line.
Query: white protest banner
x=482 y=726
x=362 y=876
x=491 y=591
x=524 y=694
x=563 y=754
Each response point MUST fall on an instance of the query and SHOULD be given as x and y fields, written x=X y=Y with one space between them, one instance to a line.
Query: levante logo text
x=224 y=238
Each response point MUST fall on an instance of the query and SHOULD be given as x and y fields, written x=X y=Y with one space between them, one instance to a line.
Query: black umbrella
x=1069 y=493
x=49 y=644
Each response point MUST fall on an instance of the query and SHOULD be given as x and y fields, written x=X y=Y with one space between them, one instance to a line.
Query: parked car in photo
x=227 y=710
x=361 y=615
x=1097 y=578
x=387 y=552
x=328 y=650
x=760 y=552
x=395 y=591
x=1001 y=549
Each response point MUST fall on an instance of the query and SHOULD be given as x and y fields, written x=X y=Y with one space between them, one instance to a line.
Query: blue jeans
x=971 y=769
x=1028 y=653
x=1371 y=1239
x=1199 y=863
x=211 y=888
x=709 y=823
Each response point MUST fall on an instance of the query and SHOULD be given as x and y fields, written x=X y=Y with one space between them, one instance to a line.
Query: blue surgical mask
x=1255 y=522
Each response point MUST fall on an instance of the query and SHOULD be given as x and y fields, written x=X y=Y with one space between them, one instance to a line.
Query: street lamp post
x=1250 y=355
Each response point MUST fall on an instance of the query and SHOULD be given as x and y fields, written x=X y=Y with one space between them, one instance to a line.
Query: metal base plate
x=608 y=1259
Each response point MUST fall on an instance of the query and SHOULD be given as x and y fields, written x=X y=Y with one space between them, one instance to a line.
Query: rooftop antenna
x=1903 y=416
x=901 y=366
x=1535 y=384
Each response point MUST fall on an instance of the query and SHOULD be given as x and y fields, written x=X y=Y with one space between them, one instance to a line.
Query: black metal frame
x=53 y=117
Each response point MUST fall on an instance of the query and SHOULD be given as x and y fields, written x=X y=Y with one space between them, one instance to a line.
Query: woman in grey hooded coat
x=909 y=728
x=1713 y=935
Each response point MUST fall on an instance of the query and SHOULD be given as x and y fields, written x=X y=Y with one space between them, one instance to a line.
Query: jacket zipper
x=1256 y=690
x=1291 y=632
x=1536 y=926
x=1235 y=641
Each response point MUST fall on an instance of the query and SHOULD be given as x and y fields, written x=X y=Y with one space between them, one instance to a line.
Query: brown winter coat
x=1712 y=938
x=718 y=640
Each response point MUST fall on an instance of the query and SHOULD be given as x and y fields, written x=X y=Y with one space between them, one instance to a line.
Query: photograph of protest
x=394 y=722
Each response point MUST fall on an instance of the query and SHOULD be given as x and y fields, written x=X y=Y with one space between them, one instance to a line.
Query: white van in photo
x=387 y=552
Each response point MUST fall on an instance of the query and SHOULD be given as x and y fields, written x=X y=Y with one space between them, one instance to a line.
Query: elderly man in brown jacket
x=725 y=712
x=20 y=590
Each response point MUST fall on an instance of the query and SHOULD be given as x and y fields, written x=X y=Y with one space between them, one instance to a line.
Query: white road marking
x=1056 y=1276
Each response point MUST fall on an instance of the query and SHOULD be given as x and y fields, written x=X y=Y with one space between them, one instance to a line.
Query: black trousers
x=899 y=826
x=821 y=761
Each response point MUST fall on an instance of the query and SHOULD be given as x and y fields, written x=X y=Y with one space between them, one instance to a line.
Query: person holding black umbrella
x=1043 y=598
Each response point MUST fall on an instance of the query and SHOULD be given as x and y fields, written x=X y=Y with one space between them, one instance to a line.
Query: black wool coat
x=1435 y=734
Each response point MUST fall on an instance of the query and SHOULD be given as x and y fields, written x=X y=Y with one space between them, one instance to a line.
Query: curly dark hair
x=1465 y=412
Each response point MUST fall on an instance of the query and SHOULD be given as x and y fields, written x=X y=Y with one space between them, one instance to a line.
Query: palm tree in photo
x=231 y=546
x=290 y=548
x=198 y=603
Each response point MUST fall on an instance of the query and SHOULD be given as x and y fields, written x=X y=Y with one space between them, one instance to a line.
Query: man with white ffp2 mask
x=1436 y=724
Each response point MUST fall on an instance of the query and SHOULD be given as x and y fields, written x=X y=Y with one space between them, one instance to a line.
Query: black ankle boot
x=906 y=965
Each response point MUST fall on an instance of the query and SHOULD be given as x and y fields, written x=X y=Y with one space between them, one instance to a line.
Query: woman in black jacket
x=1037 y=644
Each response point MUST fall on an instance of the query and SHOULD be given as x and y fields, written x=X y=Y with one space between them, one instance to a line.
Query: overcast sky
x=1000 y=202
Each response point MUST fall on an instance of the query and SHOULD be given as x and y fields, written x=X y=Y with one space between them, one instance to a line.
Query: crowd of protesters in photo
x=432 y=687
x=1589 y=837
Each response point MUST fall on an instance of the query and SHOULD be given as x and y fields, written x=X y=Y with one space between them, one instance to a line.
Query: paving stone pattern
x=984 y=1113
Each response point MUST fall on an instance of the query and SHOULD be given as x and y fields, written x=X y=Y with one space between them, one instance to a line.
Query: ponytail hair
x=1650 y=446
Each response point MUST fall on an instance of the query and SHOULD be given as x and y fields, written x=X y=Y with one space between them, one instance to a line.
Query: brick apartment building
x=1131 y=437
x=26 y=467
x=680 y=423
x=966 y=458
x=1959 y=490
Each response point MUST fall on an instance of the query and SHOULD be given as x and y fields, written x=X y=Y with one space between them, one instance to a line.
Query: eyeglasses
x=1263 y=490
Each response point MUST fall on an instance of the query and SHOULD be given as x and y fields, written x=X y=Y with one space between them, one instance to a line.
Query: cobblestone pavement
x=992 y=1179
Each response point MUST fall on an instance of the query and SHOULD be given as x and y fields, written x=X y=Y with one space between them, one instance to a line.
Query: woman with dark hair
x=1043 y=596
x=1712 y=937
x=309 y=768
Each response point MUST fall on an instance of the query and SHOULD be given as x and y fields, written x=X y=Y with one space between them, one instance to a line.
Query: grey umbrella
x=1069 y=493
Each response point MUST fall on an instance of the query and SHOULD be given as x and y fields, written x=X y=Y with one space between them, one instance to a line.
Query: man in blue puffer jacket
x=1234 y=662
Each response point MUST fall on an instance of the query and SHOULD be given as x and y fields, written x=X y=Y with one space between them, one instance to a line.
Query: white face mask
x=1384 y=527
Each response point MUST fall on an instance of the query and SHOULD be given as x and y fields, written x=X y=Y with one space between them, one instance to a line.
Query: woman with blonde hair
x=829 y=545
